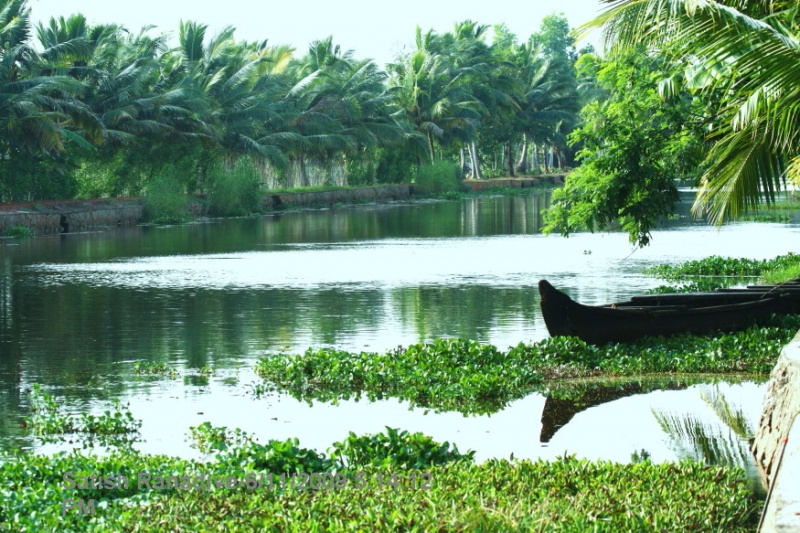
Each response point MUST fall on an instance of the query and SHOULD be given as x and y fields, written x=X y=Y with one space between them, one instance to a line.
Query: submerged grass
x=471 y=378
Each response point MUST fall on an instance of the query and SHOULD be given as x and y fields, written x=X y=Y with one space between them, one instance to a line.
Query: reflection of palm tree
x=695 y=438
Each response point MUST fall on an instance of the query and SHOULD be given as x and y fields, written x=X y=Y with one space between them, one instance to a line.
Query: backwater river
x=78 y=311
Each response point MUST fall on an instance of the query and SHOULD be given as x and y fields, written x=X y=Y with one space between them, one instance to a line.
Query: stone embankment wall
x=378 y=193
x=66 y=217
x=777 y=443
x=46 y=218
x=515 y=183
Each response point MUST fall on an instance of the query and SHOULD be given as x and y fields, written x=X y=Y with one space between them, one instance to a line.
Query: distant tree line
x=93 y=111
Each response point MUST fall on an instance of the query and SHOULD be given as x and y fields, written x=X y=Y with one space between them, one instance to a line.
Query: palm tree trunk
x=301 y=167
x=477 y=174
x=522 y=164
x=430 y=147
x=463 y=161
x=544 y=159
x=508 y=158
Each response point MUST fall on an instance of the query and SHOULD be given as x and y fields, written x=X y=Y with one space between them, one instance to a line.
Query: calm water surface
x=77 y=311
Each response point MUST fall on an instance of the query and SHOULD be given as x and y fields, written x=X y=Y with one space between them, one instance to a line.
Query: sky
x=373 y=29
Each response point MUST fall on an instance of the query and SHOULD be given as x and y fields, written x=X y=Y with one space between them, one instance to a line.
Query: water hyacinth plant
x=474 y=378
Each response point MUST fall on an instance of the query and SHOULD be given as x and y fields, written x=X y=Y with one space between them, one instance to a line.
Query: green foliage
x=114 y=427
x=152 y=368
x=781 y=274
x=447 y=374
x=240 y=450
x=490 y=173
x=438 y=177
x=470 y=377
x=395 y=165
x=165 y=200
x=701 y=285
x=451 y=492
x=98 y=111
x=568 y=494
x=634 y=143
x=723 y=266
x=361 y=167
x=395 y=449
x=17 y=232
x=234 y=190
x=742 y=58
x=784 y=218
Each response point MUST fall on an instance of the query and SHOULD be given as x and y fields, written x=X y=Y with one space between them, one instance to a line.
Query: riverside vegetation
x=498 y=495
x=447 y=374
x=104 y=111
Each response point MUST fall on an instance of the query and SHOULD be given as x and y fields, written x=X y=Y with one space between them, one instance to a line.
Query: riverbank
x=69 y=216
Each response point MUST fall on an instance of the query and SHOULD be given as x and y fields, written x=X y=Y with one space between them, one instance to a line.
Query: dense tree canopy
x=744 y=59
x=634 y=144
x=100 y=110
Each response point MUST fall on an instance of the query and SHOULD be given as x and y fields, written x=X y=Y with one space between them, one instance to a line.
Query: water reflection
x=76 y=311
x=558 y=411
x=723 y=439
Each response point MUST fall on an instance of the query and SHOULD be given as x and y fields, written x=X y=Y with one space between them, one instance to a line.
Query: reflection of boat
x=729 y=310
x=558 y=412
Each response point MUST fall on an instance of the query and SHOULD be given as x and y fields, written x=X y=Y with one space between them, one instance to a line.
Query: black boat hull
x=627 y=321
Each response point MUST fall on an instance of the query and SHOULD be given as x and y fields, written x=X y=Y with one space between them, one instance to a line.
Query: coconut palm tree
x=40 y=114
x=430 y=88
x=549 y=103
x=746 y=56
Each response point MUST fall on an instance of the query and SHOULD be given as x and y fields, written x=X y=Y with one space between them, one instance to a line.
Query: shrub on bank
x=165 y=200
x=234 y=190
x=438 y=177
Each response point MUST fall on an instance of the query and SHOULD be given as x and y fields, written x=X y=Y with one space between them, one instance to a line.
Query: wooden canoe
x=632 y=320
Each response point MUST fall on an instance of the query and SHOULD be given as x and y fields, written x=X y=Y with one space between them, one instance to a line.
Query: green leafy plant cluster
x=752 y=351
x=628 y=165
x=17 y=232
x=395 y=448
x=568 y=495
x=165 y=200
x=114 y=427
x=723 y=266
x=784 y=218
x=238 y=448
x=449 y=374
x=470 y=377
x=699 y=285
x=32 y=487
x=498 y=495
x=154 y=368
